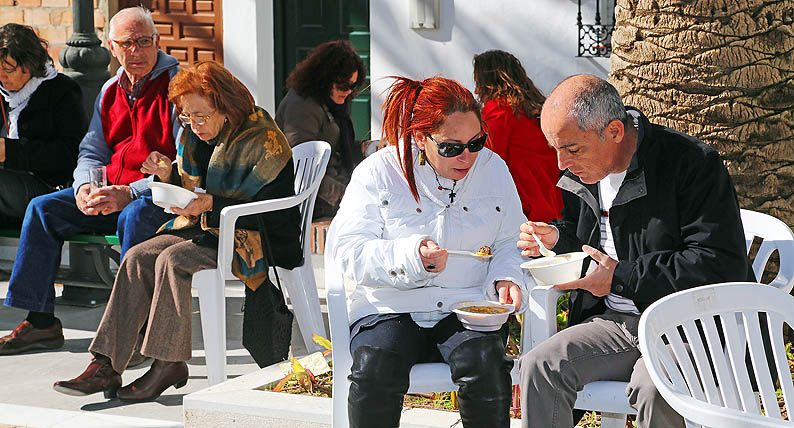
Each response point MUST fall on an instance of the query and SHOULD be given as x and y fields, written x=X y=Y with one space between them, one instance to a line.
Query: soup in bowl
x=556 y=270
x=482 y=315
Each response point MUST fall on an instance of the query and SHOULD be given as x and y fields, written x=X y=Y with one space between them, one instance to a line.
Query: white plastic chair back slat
x=734 y=336
x=781 y=364
x=760 y=364
x=726 y=300
x=700 y=388
x=728 y=392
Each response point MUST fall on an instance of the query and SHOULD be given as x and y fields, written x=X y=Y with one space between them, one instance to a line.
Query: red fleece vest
x=133 y=133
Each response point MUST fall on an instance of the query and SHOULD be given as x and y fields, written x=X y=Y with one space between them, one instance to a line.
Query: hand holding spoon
x=545 y=252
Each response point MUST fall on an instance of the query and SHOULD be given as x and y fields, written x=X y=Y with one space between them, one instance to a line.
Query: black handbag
x=267 y=323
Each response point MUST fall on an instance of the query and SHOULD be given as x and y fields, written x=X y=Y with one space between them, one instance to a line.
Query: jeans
x=53 y=218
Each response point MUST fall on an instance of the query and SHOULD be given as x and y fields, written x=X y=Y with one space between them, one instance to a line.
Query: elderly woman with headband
x=42 y=125
x=435 y=188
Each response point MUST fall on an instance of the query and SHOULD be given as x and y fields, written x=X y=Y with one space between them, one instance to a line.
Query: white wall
x=541 y=33
x=248 y=47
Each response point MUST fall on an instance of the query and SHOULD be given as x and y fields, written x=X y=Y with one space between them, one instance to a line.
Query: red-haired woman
x=511 y=111
x=433 y=189
x=234 y=151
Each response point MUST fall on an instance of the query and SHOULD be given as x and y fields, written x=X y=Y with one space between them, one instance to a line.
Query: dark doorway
x=300 y=25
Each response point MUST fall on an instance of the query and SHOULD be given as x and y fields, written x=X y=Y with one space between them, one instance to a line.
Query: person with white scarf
x=43 y=122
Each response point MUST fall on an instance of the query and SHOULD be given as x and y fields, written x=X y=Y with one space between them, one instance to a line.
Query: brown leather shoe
x=160 y=376
x=26 y=337
x=99 y=376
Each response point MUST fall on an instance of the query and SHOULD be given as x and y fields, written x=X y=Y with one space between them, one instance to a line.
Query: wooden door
x=301 y=25
x=190 y=30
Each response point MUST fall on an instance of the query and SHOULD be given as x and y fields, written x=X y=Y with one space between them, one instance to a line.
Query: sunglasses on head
x=450 y=150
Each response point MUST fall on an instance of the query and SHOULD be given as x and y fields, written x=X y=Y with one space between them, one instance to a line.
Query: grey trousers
x=604 y=347
x=153 y=288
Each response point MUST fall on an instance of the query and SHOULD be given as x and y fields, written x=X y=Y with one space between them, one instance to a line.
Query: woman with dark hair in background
x=43 y=122
x=317 y=107
x=511 y=111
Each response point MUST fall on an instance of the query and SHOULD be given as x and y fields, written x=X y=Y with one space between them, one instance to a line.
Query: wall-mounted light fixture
x=424 y=14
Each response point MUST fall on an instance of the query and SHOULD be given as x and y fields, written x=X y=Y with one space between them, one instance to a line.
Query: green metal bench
x=89 y=257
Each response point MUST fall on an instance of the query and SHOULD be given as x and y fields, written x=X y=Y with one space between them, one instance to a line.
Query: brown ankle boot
x=160 y=376
x=99 y=376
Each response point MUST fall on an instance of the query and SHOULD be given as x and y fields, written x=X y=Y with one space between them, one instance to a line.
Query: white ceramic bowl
x=167 y=195
x=556 y=270
x=482 y=321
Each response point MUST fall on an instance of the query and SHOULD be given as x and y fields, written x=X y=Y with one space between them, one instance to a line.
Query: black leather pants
x=385 y=349
x=482 y=372
x=379 y=380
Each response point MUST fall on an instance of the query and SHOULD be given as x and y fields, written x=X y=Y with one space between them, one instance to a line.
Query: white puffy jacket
x=379 y=227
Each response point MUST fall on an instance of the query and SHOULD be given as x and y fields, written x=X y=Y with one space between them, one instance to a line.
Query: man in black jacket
x=657 y=211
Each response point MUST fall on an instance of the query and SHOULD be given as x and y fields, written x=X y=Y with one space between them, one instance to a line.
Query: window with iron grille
x=595 y=40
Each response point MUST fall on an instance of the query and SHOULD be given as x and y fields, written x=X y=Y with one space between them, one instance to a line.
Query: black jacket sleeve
x=713 y=247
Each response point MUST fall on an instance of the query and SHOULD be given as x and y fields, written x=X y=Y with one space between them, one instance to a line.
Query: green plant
x=302 y=380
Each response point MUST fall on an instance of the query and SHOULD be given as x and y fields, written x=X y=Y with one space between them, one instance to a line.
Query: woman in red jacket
x=511 y=111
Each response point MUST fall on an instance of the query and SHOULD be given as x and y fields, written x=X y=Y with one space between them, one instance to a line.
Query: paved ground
x=27 y=379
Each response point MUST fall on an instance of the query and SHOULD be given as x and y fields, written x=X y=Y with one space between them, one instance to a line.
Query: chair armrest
x=338 y=320
x=229 y=216
x=542 y=313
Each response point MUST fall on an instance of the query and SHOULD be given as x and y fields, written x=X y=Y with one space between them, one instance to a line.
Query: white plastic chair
x=776 y=235
x=718 y=393
x=609 y=397
x=425 y=377
x=310 y=160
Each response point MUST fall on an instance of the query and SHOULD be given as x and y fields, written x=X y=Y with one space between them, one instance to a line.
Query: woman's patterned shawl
x=244 y=160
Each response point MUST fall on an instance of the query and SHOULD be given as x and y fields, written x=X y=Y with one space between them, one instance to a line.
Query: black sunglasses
x=345 y=86
x=450 y=150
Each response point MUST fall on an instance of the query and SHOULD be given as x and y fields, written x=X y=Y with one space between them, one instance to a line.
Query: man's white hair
x=137 y=14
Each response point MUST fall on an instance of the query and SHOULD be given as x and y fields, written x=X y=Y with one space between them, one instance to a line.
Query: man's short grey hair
x=137 y=13
x=596 y=105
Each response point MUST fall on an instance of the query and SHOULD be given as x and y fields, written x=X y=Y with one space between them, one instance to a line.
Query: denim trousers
x=603 y=347
x=50 y=220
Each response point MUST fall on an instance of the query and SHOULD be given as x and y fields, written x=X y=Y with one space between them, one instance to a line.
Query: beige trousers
x=152 y=288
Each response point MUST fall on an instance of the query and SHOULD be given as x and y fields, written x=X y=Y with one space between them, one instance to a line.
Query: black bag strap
x=268 y=255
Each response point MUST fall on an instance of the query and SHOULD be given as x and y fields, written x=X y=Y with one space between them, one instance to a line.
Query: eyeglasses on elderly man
x=142 y=42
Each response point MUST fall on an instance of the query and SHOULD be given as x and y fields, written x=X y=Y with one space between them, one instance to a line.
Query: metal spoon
x=469 y=253
x=545 y=252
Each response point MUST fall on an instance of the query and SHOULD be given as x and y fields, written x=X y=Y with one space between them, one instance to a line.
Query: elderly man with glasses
x=132 y=118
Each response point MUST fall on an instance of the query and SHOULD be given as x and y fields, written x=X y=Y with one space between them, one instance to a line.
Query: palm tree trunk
x=722 y=71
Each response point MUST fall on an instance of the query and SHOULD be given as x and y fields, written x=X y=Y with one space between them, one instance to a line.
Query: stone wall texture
x=722 y=71
x=52 y=19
